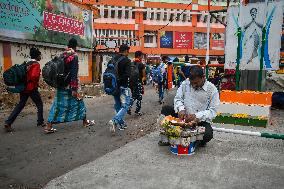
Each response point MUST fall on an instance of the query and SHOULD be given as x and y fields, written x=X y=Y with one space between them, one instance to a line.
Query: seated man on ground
x=196 y=100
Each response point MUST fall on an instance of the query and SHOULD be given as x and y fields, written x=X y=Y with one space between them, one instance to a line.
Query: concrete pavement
x=228 y=161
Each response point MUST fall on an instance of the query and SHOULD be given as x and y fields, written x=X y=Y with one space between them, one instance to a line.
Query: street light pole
x=208 y=41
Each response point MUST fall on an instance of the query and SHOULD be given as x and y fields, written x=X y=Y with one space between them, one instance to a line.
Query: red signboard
x=183 y=40
x=218 y=44
x=61 y=23
x=218 y=41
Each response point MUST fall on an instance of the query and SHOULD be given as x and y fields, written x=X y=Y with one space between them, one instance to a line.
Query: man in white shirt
x=197 y=100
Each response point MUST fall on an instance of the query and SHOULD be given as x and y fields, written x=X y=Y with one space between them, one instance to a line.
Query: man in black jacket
x=123 y=99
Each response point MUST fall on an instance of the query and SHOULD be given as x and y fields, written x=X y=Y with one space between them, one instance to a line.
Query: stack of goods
x=247 y=108
x=181 y=136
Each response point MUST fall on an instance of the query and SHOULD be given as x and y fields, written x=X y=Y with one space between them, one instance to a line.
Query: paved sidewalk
x=228 y=161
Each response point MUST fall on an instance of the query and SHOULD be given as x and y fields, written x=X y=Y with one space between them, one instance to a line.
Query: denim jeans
x=121 y=105
x=161 y=91
x=35 y=96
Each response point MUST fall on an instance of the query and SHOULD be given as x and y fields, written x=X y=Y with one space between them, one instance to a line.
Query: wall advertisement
x=218 y=41
x=259 y=26
x=50 y=21
x=166 y=39
x=183 y=40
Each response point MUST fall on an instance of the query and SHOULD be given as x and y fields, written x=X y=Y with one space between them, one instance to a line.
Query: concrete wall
x=1 y=60
x=16 y=53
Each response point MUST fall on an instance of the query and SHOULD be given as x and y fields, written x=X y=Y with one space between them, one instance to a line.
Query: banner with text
x=183 y=40
x=218 y=41
x=166 y=39
x=51 y=21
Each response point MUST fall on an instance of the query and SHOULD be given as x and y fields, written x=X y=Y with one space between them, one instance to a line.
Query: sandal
x=8 y=128
x=89 y=123
x=49 y=131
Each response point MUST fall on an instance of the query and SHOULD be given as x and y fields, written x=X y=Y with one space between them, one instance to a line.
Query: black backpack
x=134 y=72
x=110 y=77
x=55 y=74
x=15 y=77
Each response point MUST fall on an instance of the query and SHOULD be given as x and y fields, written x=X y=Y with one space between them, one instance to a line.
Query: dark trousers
x=35 y=96
x=208 y=135
x=137 y=95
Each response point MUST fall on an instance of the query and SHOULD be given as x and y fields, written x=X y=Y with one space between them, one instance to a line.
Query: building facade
x=159 y=27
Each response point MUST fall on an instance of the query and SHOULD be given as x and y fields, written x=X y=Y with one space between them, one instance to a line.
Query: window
x=184 y=17
x=126 y=14
x=205 y=18
x=178 y=17
x=152 y=16
x=198 y=17
x=165 y=16
x=172 y=17
x=105 y=13
x=144 y=15
x=112 y=13
x=149 y=39
x=189 y=18
x=211 y=19
x=119 y=15
x=133 y=15
x=158 y=16
x=216 y=21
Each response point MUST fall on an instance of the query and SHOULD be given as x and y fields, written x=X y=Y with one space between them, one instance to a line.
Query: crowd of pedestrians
x=124 y=79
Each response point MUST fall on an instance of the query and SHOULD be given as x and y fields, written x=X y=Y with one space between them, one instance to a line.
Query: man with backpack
x=159 y=76
x=122 y=94
x=136 y=82
x=68 y=104
x=31 y=84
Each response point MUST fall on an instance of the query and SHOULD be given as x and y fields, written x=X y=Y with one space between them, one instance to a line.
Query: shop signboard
x=166 y=39
x=183 y=40
x=50 y=21
x=218 y=41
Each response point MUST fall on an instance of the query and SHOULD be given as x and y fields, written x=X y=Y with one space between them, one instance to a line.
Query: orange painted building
x=161 y=27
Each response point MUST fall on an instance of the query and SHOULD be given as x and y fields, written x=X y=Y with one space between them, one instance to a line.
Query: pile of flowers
x=180 y=133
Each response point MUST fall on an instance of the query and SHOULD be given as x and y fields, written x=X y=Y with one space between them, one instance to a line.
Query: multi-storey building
x=156 y=27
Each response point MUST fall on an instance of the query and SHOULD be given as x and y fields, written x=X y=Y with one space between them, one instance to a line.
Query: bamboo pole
x=251 y=133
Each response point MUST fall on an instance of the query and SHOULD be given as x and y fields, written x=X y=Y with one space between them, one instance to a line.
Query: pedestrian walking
x=180 y=76
x=148 y=74
x=31 y=90
x=137 y=84
x=122 y=98
x=68 y=105
x=159 y=77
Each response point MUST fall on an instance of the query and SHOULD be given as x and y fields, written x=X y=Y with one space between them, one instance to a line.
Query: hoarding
x=183 y=40
x=218 y=41
x=166 y=39
x=200 y=40
x=260 y=28
x=51 y=21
